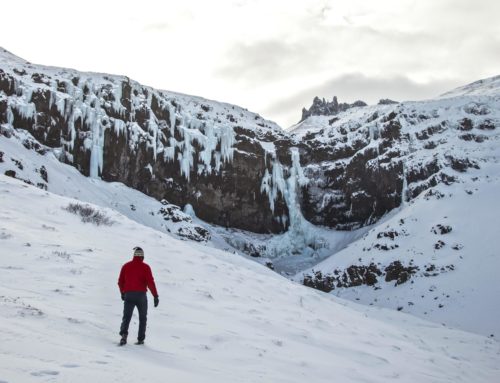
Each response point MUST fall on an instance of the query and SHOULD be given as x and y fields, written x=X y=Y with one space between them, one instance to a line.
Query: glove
x=123 y=296
x=157 y=301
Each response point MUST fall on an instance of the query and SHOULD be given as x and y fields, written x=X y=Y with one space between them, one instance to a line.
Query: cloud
x=316 y=48
x=259 y=60
x=157 y=27
x=356 y=86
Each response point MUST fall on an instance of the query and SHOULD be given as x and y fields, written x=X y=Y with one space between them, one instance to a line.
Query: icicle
x=227 y=141
x=218 y=162
x=60 y=104
x=171 y=112
x=27 y=93
x=93 y=117
x=153 y=129
x=404 y=190
x=10 y=116
x=119 y=126
x=185 y=157
x=296 y=169
x=117 y=103
x=295 y=179
x=266 y=187
x=52 y=99
x=273 y=183
x=26 y=110
x=169 y=151
x=269 y=148
x=209 y=147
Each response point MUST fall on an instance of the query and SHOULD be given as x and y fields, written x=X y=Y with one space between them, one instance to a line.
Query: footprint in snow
x=70 y=365
x=4 y=235
x=74 y=320
x=45 y=372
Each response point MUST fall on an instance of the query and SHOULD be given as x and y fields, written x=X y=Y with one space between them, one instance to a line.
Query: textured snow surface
x=221 y=318
x=461 y=288
x=466 y=296
x=487 y=86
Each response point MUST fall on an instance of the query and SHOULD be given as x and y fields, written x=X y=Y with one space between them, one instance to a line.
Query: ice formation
x=273 y=183
x=88 y=101
x=301 y=237
x=189 y=210
x=208 y=137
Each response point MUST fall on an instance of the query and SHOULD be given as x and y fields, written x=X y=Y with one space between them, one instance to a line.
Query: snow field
x=465 y=296
x=221 y=318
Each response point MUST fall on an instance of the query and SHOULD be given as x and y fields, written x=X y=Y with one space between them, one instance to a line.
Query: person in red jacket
x=135 y=278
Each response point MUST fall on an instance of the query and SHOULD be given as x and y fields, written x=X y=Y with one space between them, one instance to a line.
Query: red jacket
x=136 y=276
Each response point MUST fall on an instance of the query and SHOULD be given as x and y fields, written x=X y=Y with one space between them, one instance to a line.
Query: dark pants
x=135 y=299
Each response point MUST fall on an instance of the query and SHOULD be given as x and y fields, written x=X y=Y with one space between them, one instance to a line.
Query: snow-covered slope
x=220 y=319
x=484 y=87
x=436 y=255
x=454 y=280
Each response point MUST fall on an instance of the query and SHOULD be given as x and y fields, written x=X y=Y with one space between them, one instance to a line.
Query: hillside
x=220 y=319
x=390 y=205
x=435 y=255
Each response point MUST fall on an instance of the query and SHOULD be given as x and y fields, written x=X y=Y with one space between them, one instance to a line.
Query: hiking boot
x=123 y=340
x=139 y=342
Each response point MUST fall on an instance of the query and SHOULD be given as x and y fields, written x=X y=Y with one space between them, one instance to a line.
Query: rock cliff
x=344 y=168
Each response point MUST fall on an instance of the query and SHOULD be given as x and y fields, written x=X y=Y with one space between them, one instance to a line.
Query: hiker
x=135 y=278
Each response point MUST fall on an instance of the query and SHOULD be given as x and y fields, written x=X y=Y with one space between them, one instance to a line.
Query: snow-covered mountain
x=436 y=254
x=391 y=205
x=221 y=318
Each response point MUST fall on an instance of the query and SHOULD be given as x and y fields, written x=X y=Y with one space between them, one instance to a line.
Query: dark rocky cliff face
x=183 y=149
x=231 y=165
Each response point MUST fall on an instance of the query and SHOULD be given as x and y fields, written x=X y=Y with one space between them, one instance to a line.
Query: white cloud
x=257 y=53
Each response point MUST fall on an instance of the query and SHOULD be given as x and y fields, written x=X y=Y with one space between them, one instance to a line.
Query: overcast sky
x=270 y=56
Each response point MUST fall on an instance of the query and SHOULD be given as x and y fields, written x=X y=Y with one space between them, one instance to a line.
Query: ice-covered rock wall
x=235 y=169
x=179 y=148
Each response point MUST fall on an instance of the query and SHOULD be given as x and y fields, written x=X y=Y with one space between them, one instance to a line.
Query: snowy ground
x=221 y=318
x=457 y=282
x=464 y=296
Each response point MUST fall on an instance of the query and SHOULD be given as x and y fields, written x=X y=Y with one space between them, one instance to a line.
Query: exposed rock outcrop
x=322 y=107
